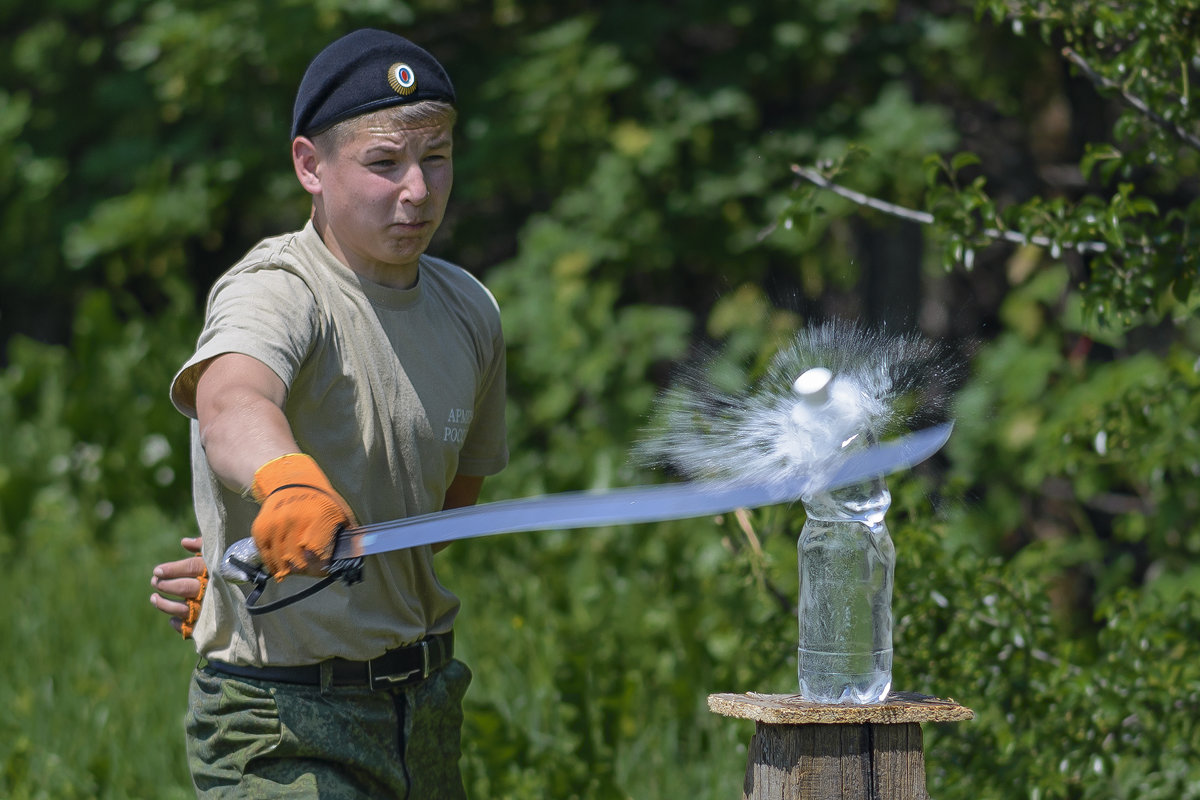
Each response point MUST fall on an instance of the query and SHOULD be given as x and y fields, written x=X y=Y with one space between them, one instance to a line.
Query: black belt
x=398 y=667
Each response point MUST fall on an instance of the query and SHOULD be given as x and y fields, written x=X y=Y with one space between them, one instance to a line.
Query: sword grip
x=242 y=563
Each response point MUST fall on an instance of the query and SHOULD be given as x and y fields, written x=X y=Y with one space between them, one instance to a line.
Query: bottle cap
x=813 y=386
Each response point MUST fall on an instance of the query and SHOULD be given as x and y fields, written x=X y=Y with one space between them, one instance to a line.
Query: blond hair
x=407 y=115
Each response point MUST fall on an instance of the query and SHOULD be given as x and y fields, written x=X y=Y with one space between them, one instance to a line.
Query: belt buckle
x=399 y=678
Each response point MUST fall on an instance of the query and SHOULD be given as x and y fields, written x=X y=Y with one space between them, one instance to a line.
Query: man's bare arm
x=250 y=446
x=239 y=404
x=463 y=491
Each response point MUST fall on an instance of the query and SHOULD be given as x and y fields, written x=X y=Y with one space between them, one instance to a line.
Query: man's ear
x=305 y=160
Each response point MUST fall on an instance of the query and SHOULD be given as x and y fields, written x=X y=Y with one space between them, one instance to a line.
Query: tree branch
x=925 y=218
x=813 y=176
x=1132 y=100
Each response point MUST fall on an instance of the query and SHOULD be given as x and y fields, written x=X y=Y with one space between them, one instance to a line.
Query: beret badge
x=402 y=79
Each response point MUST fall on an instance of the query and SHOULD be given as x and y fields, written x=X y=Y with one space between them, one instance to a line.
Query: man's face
x=382 y=196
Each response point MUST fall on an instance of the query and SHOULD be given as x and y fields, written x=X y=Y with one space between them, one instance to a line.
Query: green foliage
x=1137 y=217
x=94 y=484
x=91 y=711
x=88 y=424
x=1057 y=716
x=565 y=322
x=1096 y=449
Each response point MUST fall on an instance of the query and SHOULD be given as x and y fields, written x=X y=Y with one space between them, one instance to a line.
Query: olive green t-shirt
x=393 y=392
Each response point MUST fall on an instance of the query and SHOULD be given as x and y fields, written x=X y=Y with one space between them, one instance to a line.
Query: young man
x=342 y=377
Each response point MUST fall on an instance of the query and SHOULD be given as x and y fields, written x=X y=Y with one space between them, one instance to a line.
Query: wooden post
x=813 y=751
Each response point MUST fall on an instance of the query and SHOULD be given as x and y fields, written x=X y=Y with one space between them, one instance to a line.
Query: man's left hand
x=180 y=588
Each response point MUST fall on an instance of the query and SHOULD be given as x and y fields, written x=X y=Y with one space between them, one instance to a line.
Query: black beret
x=365 y=71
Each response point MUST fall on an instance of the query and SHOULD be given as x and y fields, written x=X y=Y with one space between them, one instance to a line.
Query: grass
x=95 y=684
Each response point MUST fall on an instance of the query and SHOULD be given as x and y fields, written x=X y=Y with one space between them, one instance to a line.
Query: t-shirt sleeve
x=265 y=312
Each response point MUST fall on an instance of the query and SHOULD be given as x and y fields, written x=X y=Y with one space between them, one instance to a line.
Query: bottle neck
x=866 y=502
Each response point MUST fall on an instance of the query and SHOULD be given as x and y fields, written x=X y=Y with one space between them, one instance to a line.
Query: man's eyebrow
x=387 y=147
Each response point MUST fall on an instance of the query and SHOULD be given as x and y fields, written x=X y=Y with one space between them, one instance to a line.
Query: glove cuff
x=289 y=470
x=193 y=607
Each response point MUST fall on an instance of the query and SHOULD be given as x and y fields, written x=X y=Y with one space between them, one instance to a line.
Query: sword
x=572 y=510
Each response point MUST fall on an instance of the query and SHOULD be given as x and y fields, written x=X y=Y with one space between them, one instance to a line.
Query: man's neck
x=393 y=276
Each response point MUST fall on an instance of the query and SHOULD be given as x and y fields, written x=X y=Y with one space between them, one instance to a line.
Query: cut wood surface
x=790 y=709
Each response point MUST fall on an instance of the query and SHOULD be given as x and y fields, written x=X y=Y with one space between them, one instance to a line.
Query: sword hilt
x=242 y=563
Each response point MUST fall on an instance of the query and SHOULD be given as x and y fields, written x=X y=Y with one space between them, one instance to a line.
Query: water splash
x=878 y=385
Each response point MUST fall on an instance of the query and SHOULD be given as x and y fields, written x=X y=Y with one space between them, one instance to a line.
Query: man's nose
x=414 y=188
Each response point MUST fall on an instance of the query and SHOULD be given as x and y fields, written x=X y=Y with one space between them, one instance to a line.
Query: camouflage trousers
x=262 y=739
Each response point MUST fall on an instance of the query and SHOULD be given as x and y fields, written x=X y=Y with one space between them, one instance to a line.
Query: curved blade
x=571 y=510
x=634 y=505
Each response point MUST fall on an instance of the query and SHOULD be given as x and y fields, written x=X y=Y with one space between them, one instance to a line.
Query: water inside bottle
x=846 y=561
x=824 y=677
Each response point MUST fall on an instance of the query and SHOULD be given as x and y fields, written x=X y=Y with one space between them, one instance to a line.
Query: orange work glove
x=193 y=606
x=300 y=517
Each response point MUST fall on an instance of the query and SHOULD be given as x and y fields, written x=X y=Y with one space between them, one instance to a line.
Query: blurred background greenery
x=625 y=186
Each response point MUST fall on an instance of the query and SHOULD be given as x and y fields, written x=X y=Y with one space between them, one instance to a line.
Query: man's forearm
x=243 y=437
x=239 y=405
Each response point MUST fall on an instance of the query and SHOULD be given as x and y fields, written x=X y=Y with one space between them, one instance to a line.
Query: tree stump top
x=791 y=709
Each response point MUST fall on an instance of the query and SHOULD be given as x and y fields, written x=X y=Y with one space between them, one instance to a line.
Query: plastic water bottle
x=846 y=562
